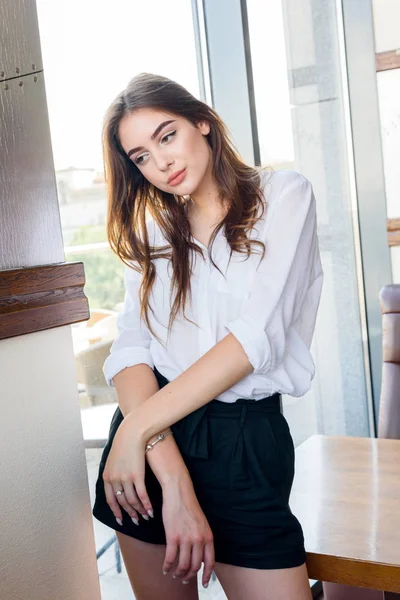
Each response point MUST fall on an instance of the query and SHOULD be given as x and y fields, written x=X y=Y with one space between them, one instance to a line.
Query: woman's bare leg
x=144 y=562
x=240 y=583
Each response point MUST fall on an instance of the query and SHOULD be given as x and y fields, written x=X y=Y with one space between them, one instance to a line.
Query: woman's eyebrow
x=154 y=135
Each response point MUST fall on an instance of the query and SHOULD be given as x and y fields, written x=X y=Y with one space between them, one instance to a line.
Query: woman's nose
x=163 y=162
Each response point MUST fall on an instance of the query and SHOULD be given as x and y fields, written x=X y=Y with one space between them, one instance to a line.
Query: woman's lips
x=180 y=177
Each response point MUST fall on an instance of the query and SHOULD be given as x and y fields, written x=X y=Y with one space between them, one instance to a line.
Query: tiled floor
x=116 y=586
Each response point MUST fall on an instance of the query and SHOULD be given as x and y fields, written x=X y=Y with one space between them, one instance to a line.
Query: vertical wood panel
x=19 y=39
x=29 y=214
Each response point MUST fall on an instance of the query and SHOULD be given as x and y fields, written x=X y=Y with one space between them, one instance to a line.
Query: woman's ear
x=204 y=127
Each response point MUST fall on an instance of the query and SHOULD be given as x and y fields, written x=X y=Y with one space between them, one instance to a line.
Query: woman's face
x=171 y=153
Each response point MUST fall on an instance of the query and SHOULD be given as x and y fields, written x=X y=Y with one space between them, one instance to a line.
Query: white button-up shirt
x=269 y=306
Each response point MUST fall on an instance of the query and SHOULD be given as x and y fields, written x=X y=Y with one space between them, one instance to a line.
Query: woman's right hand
x=190 y=540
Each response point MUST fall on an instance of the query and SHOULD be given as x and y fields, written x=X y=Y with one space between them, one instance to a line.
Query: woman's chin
x=185 y=189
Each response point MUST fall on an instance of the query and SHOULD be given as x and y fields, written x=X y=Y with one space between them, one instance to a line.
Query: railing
x=86 y=248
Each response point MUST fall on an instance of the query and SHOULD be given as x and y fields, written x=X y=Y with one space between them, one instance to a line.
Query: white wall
x=47 y=543
x=386 y=24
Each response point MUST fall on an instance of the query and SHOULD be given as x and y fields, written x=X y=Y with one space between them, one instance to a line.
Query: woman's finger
x=142 y=494
x=185 y=560
x=209 y=562
x=130 y=496
x=112 y=501
x=121 y=499
x=171 y=554
x=197 y=559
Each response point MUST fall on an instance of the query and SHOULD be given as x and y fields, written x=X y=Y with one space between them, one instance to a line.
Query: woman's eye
x=138 y=160
x=168 y=135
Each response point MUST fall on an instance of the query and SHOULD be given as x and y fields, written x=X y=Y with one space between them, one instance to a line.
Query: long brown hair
x=130 y=196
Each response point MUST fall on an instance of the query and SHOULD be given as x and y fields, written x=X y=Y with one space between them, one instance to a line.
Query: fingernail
x=165 y=572
x=118 y=521
x=135 y=520
x=185 y=582
x=174 y=576
x=206 y=585
x=150 y=512
x=145 y=517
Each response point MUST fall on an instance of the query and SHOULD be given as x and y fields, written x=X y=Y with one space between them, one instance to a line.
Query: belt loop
x=243 y=415
x=232 y=464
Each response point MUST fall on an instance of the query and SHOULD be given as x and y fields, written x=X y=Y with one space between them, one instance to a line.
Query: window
x=300 y=106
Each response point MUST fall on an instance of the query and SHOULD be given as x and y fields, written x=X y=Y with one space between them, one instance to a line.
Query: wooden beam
x=42 y=297
x=387 y=60
x=393 y=229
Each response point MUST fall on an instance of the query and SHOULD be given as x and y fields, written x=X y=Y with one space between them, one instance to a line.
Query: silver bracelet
x=159 y=438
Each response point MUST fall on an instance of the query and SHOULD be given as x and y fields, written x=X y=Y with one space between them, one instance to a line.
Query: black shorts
x=240 y=457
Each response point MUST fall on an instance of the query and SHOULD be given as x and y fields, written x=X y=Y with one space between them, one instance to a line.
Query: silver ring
x=119 y=492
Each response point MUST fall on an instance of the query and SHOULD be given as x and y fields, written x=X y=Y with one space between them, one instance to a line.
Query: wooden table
x=346 y=495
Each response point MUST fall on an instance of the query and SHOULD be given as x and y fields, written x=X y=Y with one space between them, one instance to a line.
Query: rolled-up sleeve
x=132 y=345
x=282 y=303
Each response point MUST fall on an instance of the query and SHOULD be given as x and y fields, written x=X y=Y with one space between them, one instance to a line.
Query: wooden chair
x=89 y=361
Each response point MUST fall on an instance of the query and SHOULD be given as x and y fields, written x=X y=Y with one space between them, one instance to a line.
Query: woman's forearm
x=220 y=368
x=133 y=386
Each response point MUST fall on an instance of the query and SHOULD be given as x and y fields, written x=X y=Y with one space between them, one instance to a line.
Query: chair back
x=389 y=404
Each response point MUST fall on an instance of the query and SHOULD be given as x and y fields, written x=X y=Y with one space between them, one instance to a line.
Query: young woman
x=223 y=280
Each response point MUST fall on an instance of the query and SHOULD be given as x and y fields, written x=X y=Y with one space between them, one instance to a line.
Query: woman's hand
x=189 y=537
x=124 y=471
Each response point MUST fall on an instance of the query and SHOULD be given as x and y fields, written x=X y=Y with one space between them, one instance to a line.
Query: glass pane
x=302 y=126
x=389 y=112
x=92 y=339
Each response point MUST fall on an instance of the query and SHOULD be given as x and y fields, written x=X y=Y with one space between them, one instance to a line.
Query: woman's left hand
x=124 y=471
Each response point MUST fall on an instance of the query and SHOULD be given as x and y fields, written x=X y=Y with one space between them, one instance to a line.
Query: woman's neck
x=205 y=203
